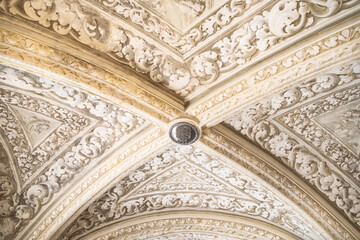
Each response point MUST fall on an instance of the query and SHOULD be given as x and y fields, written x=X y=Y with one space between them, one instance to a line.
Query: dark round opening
x=183 y=133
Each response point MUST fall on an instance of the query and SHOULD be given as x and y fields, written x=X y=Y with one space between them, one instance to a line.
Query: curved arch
x=186 y=178
x=120 y=88
x=242 y=155
x=216 y=224
x=102 y=66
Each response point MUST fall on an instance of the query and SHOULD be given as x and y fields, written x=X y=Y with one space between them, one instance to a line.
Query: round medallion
x=184 y=133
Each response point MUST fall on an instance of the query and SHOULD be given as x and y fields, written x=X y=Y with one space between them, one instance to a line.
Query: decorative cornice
x=219 y=141
x=337 y=47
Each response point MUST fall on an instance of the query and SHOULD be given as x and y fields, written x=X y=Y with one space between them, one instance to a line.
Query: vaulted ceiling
x=89 y=88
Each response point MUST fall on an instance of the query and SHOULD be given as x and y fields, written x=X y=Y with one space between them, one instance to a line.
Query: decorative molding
x=100 y=177
x=321 y=201
x=255 y=123
x=258 y=35
x=336 y=47
x=8 y=195
x=133 y=11
x=301 y=122
x=115 y=126
x=159 y=184
x=199 y=226
x=220 y=143
x=88 y=76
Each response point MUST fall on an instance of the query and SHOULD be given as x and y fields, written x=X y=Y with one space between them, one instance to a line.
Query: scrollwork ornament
x=256 y=123
x=285 y=19
x=130 y=196
x=201 y=228
x=113 y=123
x=9 y=198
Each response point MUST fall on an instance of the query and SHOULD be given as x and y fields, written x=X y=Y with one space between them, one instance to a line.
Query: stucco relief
x=41 y=96
x=256 y=122
x=8 y=195
x=33 y=151
x=320 y=149
x=181 y=38
x=191 y=235
x=344 y=123
x=102 y=82
x=182 y=14
x=211 y=185
x=341 y=124
x=196 y=228
x=338 y=46
x=263 y=31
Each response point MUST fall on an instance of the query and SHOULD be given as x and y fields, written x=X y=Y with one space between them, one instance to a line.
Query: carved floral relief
x=35 y=105
x=196 y=228
x=54 y=131
x=262 y=32
x=187 y=178
x=259 y=123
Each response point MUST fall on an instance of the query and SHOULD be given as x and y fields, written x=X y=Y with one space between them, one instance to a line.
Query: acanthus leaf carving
x=258 y=35
x=199 y=228
x=283 y=71
x=255 y=122
x=9 y=197
x=114 y=124
x=71 y=123
x=130 y=197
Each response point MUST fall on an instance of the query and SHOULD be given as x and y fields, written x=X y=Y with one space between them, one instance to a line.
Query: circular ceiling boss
x=184 y=131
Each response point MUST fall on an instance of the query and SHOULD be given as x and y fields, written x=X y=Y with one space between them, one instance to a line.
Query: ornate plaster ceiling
x=88 y=90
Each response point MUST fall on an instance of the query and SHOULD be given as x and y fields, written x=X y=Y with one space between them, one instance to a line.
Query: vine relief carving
x=273 y=26
x=43 y=97
x=257 y=123
x=184 y=177
x=8 y=196
x=33 y=151
x=336 y=145
x=182 y=38
x=196 y=228
x=336 y=47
